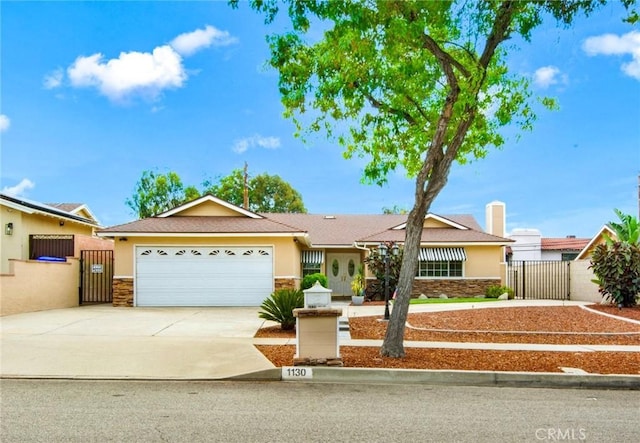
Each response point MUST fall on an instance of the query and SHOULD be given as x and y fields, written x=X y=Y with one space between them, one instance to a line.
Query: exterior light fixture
x=383 y=250
x=8 y=229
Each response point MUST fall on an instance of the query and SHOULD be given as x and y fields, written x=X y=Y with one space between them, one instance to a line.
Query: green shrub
x=311 y=279
x=495 y=291
x=617 y=266
x=280 y=305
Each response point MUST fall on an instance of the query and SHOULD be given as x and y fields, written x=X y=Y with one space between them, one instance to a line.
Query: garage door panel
x=203 y=276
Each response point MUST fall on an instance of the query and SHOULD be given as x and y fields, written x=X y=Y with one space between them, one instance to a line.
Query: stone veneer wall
x=452 y=287
x=123 y=289
x=123 y=292
x=285 y=283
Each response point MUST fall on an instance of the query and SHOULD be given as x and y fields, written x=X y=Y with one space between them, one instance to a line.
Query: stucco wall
x=483 y=261
x=582 y=288
x=10 y=245
x=85 y=242
x=16 y=246
x=38 y=286
x=286 y=252
x=208 y=208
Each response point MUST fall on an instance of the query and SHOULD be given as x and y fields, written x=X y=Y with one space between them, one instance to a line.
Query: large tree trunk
x=393 y=345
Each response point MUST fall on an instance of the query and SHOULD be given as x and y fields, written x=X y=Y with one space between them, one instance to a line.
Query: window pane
x=440 y=269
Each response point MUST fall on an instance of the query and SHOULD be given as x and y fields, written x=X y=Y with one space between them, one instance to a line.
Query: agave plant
x=280 y=305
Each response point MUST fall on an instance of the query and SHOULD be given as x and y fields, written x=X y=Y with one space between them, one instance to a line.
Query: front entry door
x=342 y=268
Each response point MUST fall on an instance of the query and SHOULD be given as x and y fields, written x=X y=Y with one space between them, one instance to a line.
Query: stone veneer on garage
x=285 y=283
x=123 y=292
x=452 y=287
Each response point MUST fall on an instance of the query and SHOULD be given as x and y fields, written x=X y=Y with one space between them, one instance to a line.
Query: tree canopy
x=156 y=193
x=408 y=84
x=267 y=193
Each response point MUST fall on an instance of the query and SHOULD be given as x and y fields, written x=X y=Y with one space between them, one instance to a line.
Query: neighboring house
x=531 y=246
x=209 y=252
x=35 y=235
x=599 y=238
x=32 y=230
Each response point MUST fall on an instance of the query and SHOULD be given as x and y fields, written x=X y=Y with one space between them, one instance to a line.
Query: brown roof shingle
x=340 y=230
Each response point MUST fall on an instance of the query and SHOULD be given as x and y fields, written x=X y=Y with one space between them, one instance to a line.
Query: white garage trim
x=182 y=275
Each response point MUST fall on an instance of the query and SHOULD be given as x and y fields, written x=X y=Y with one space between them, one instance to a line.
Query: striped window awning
x=312 y=257
x=442 y=254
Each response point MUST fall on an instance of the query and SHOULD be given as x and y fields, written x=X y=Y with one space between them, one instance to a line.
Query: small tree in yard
x=416 y=85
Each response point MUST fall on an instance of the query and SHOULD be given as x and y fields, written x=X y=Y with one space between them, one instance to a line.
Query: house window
x=311 y=268
x=568 y=256
x=311 y=262
x=440 y=269
x=441 y=262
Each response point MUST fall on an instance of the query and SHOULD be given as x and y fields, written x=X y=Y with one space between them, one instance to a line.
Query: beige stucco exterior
x=37 y=286
x=16 y=246
x=483 y=261
x=208 y=208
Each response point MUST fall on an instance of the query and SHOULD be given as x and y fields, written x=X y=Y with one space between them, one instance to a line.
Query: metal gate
x=540 y=280
x=96 y=276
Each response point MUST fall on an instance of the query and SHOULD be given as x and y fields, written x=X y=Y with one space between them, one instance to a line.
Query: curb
x=319 y=374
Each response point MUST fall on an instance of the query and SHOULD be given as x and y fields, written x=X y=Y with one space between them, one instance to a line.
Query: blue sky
x=94 y=93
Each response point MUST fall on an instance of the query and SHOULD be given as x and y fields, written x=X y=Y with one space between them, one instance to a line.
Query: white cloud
x=547 y=76
x=190 y=42
x=18 y=189
x=133 y=73
x=4 y=123
x=611 y=44
x=138 y=74
x=54 y=79
x=242 y=145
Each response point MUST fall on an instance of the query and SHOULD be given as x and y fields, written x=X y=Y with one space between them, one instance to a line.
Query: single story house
x=208 y=252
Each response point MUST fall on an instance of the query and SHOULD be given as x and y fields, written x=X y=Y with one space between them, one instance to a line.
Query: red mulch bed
x=544 y=325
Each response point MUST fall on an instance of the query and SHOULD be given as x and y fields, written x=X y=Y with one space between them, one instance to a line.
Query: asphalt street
x=181 y=411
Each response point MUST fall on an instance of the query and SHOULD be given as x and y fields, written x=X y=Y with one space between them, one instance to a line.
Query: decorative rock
x=308 y=361
x=504 y=296
x=423 y=297
x=443 y=296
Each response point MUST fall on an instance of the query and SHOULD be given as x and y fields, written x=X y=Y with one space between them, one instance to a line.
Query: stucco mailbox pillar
x=317 y=329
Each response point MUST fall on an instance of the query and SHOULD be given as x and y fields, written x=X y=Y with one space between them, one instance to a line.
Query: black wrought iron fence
x=541 y=280
x=96 y=276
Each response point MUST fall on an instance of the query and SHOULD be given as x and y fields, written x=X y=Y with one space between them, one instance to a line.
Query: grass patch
x=422 y=301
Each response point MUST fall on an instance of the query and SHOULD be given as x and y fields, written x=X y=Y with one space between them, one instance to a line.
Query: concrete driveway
x=101 y=341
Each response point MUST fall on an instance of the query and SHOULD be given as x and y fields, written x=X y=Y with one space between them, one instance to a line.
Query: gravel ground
x=550 y=325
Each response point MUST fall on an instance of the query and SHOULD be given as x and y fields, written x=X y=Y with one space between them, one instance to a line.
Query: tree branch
x=391 y=110
x=443 y=57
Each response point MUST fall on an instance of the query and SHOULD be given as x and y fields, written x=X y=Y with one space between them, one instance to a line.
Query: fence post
x=524 y=281
x=568 y=280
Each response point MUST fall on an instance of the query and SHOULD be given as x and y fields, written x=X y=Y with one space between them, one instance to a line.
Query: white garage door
x=203 y=276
